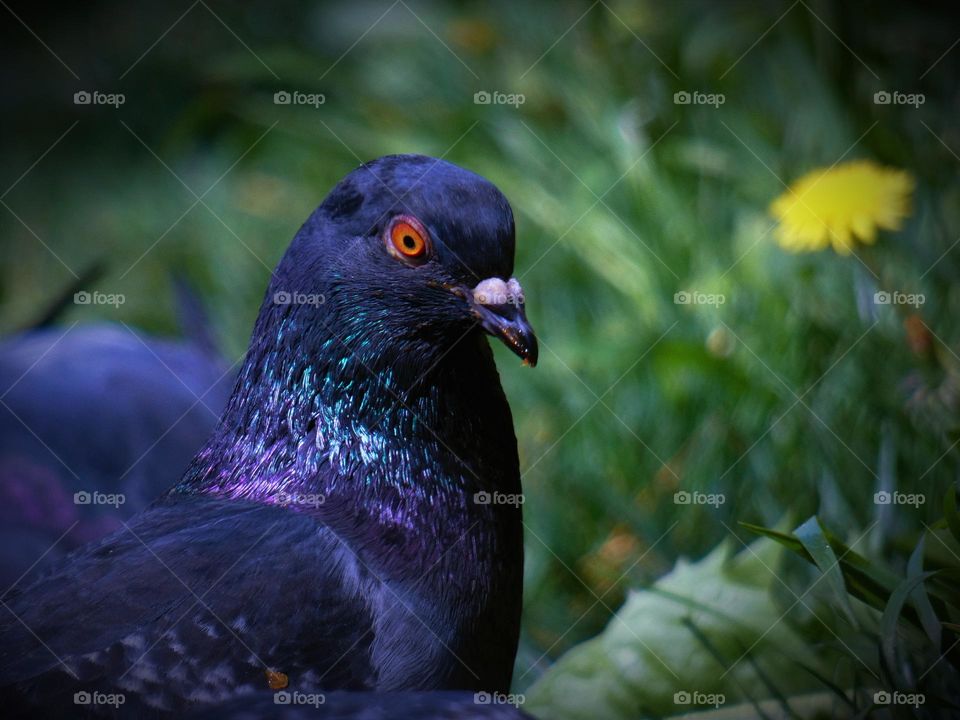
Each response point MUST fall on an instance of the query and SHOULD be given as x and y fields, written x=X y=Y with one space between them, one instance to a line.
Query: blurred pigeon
x=354 y=522
x=96 y=421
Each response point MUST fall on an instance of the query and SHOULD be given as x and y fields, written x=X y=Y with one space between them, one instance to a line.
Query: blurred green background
x=796 y=396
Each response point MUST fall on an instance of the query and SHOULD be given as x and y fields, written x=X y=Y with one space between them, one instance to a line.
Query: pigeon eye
x=407 y=239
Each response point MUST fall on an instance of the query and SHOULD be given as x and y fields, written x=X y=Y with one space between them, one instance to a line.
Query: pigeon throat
x=331 y=432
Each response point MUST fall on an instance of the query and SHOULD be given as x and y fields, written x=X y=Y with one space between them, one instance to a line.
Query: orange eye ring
x=407 y=238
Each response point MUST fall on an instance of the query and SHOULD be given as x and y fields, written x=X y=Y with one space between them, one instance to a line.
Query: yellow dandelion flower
x=841 y=205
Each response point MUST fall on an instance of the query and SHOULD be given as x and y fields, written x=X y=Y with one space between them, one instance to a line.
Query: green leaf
x=834 y=688
x=919 y=598
x=888 y=624
x=952 y=626
x=648 y=652
x=788 y=541
x=866 y=581
x=817 y=545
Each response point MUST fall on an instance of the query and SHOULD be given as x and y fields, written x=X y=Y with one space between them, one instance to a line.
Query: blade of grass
x=889 y=621
x=815 y=542
x=837 y=690
x=919 y=598
x=718 y=656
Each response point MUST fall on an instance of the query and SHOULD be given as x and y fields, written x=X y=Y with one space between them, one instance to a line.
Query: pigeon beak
x=499 y=307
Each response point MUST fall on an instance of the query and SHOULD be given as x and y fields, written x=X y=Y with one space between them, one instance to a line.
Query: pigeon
x=354 y=522
x=96 y=421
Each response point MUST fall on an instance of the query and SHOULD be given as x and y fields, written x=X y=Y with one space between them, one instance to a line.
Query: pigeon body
x=337 y=529
x=96 y=421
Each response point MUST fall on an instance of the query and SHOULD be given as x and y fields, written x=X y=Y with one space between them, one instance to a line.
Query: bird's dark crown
x=468 y=218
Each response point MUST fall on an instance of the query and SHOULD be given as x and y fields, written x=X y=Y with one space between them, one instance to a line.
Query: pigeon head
x=370 y=345
x=407 y=256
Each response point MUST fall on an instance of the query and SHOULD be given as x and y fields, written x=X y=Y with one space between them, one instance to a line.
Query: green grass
x=622 y=198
